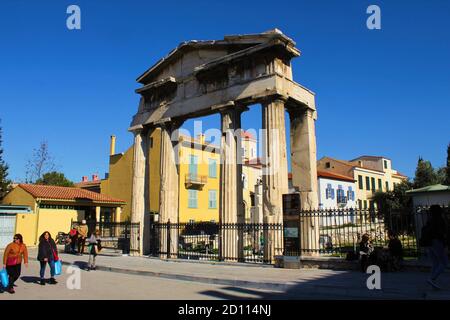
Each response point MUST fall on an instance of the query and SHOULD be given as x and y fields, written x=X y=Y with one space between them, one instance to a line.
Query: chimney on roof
x=84 y=179
x=94 y=177
x=112 y=148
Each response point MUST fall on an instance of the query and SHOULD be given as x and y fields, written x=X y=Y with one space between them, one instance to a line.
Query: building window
x=380 y=185
x=387 y=186
x=350 y=194
x=329 y=192
x=373 y=185
x=252 y=199
x=212 y=199
x=341 y=195
x=244 y=181
x=192 y=199
x=367 y=183
x=328 y=165
x=212 y=168
x=365 y=204
x=385 y=164
x=151 y=142
x=360 y=182
x=360 y=204
x=193 y=165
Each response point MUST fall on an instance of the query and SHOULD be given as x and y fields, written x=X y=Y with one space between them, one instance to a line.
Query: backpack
x=426 y=237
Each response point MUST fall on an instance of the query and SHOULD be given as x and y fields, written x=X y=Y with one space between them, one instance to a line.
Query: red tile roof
x=66 y=193
x=327 y=174
x=399 y=175
x=88 y=183
x=331 y=175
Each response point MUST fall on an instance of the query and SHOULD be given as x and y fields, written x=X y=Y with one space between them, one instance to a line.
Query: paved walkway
x=288 y=283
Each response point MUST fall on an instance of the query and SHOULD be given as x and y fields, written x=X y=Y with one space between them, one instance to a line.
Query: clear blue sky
x=378 y=92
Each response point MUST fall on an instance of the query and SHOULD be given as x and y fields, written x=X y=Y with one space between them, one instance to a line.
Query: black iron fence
x=241 y=242
x=336 y=232
x=116 y=235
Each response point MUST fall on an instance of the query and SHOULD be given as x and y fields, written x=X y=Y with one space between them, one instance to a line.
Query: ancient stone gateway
x=200 y=78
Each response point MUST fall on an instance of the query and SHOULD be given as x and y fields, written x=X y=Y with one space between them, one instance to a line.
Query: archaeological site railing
x=115 y=235
x=336 y=232
x=238 y=242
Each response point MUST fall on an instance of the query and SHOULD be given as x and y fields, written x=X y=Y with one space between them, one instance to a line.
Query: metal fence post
x=168 y=239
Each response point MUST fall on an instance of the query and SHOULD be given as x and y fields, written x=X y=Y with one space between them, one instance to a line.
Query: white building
x=427 y=196
x=335 y=191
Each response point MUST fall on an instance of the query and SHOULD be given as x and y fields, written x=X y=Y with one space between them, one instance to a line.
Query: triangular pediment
x=189 y=55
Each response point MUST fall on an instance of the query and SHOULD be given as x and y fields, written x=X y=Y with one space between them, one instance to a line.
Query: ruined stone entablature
x=244 y=69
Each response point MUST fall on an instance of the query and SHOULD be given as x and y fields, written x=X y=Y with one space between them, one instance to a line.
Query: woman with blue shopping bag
x=12 y=262
x=48 y=254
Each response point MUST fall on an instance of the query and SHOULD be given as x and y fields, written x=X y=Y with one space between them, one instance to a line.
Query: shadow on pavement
x=342 y=286
x=30 y=279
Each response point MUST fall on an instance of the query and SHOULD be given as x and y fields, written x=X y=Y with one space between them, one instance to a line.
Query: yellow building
x=371 y=174
x=199 y=177
x=54 y=208
x=119 y=179
x=199 y=183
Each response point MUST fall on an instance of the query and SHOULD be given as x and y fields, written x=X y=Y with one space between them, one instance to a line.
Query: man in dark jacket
x=47 y=253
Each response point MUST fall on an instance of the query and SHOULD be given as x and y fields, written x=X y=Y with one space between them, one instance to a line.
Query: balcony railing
x=195 y=180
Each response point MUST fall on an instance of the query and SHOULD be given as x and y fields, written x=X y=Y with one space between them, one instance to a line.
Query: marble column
x=138 y=199
x=168 y=205
x=275 y=174
x=230 y=185
x=304 y=171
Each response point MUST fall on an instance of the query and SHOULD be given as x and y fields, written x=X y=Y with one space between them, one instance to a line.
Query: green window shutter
x=373 y=184
x=192 y=199
x=360 y=182
x=367 y=183
x=212 y=168
x=380 y=185
x=193 y=165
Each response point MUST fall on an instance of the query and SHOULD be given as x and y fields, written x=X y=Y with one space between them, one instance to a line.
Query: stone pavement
x=283 y=283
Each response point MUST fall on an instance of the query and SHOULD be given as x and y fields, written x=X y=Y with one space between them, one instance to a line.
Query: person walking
x=73 y=235
x=12 y=260
x=47 y=253
x=438 y=235
x=94 y=248
x=82 y=235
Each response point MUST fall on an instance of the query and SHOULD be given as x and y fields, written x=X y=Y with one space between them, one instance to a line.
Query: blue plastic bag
x=58 y=267
x=4 y=278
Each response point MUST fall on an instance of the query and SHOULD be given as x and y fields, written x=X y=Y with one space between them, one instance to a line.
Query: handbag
x=55 y=255
x=58 y=267
x=4 y=278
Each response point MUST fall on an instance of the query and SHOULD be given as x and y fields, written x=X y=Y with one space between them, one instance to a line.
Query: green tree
x=425 y=174
x=396 y=207
x=55 y=178
x=4 y=182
